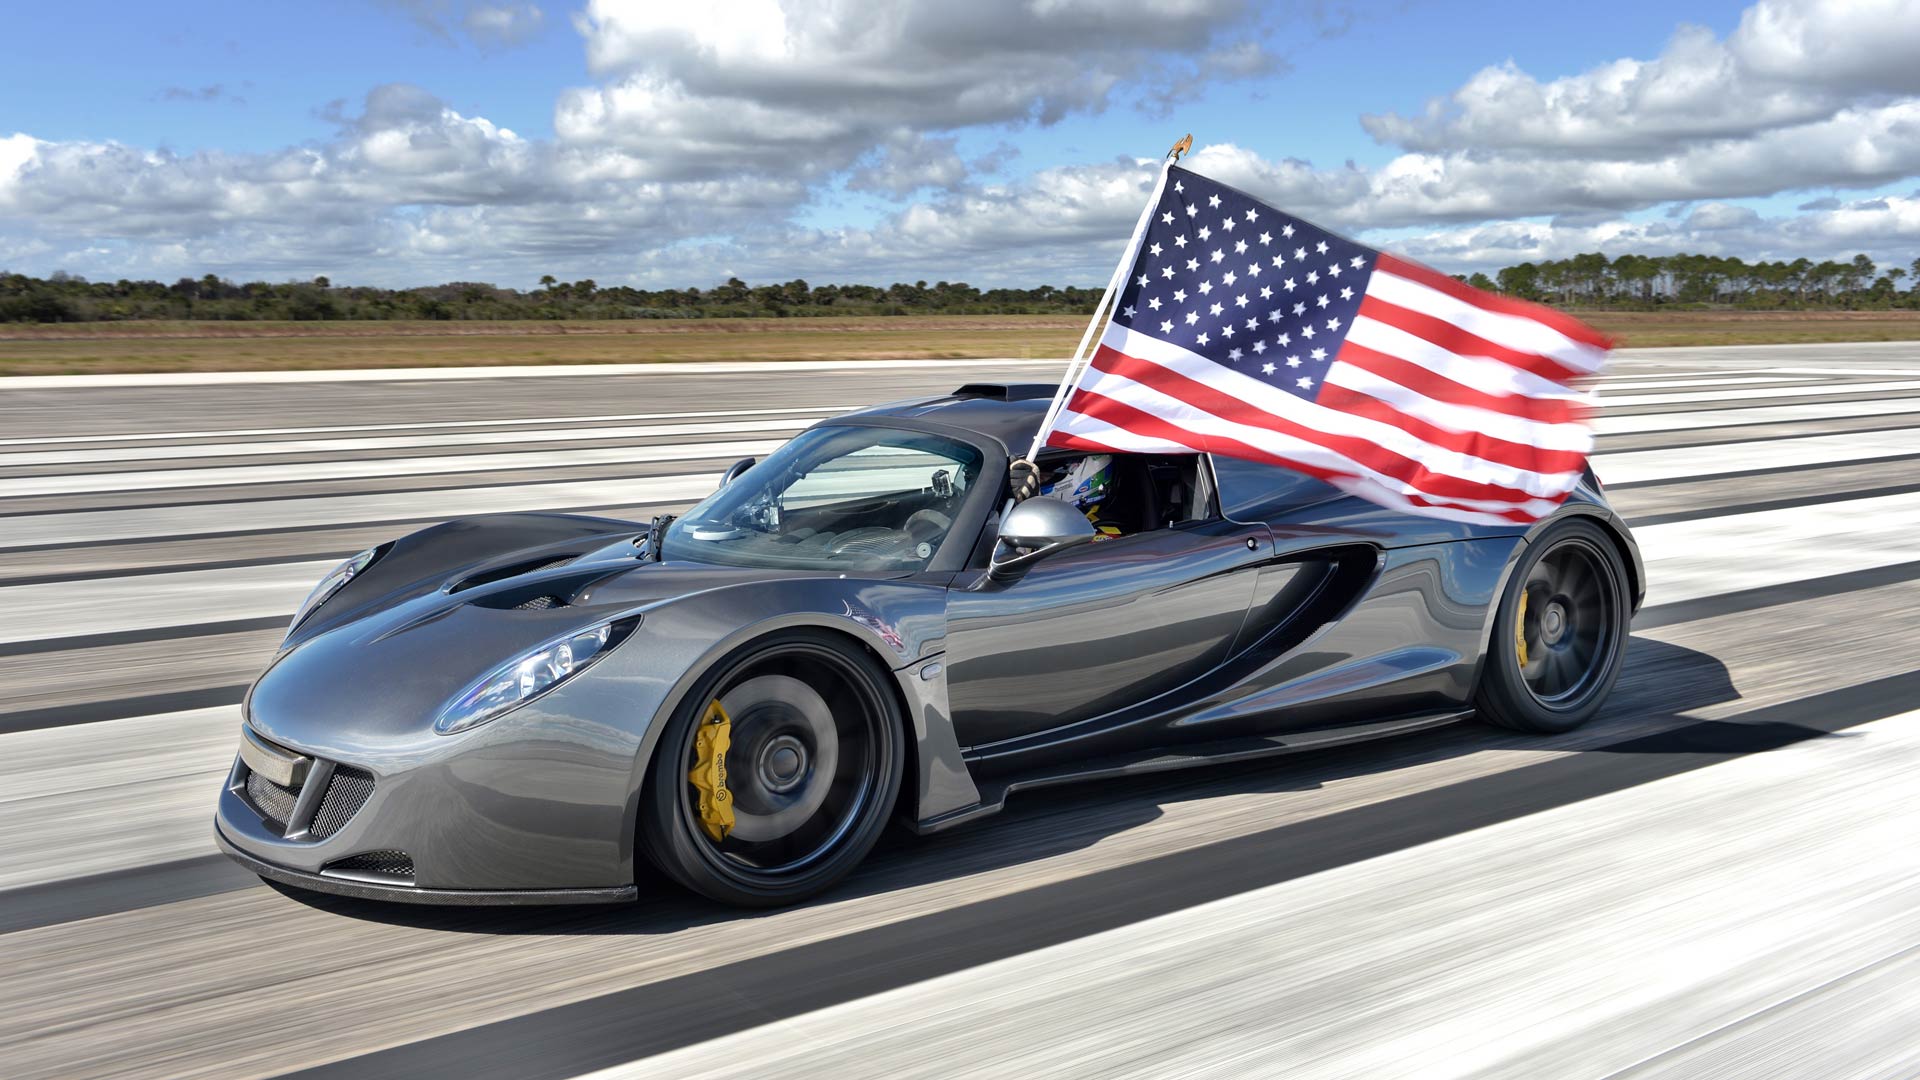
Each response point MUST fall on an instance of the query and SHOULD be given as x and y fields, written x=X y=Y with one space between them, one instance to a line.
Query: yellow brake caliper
x=1519 y=630
x=709 y=773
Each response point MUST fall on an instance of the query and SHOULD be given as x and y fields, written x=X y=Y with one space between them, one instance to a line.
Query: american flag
x=1245 y=332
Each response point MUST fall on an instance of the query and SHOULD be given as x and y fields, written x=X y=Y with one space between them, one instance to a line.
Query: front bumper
x=363 y=889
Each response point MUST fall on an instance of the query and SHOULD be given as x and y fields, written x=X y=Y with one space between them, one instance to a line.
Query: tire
x=818 y=751
x=1575 y=628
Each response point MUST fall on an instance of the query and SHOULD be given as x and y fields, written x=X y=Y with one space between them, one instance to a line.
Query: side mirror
x=1032 y=531
x=734 y=470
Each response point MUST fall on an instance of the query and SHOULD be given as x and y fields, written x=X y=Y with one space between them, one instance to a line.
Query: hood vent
x=512 y=570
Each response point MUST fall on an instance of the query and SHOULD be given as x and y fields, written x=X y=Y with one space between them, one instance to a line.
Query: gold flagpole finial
x=1185 y=144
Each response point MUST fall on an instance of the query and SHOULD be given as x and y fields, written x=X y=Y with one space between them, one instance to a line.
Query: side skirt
x=993 y=793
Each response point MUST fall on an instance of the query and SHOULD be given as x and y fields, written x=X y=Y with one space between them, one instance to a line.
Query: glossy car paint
x=1299 y=618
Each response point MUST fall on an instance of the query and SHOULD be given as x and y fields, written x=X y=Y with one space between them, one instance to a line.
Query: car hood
x=380 y=668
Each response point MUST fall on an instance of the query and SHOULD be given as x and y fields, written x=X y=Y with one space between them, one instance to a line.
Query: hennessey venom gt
x=520 y=708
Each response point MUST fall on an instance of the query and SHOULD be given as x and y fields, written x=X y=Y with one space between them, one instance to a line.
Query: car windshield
x=835 y=498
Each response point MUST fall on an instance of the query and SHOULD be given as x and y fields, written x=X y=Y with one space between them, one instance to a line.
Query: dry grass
x=212 y=346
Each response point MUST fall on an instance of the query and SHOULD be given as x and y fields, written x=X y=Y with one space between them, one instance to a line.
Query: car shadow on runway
x=1646 y=714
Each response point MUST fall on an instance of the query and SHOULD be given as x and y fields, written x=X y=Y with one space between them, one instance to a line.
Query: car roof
x=1006 y=413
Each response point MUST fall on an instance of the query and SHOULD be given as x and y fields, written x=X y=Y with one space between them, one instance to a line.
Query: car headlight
x=335 y=580
x=531 y=674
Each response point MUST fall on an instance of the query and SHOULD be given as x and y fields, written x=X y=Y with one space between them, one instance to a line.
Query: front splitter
x=408 y=894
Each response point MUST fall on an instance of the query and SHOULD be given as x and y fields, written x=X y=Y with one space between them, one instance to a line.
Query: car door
x=1097 y=628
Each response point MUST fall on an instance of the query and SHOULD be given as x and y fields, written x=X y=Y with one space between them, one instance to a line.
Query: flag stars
x=1179 y=296
x=1259 y=346
x=1266 y=238
x=1217 y=255
x=1307 y=331
x=1167 y=218
x=1166 y=326
x=1214 y=202
x=1300 y=309
x=1192 y=317
x=1266 y=369
x=1321 y=247
x=1153 y=302
x=1253 y=269
x=1205 y=232
x=1234 y=355
x=1299 y=253
x=1253 y=215
x=1227 y=224
x=1193 y=264
x=1202 y=339
x=1333 y=270
x=1141 y=281
x=1266 y=292
x=1166 y=271
x=1293 y=361
x=1240 y=301
x=1253 y=322
x=1313 y=277
x=1284 y=340
x=1274 y=315
x=1192 y=209
x=1128 y=312
x=1278 y=262
x=1333 y=324
x=1206 y=287
x=1346 y=294
x=1318 y=354
x=1155 y=250
x=1214 y=310
x=1287 y=231
x=1180 y=241
x=1304 y=382
x=1290 y=284
x=1178 y=186
x=1357 y=261
x=1227 y=331
x=1239 y=247
x=1324 y=300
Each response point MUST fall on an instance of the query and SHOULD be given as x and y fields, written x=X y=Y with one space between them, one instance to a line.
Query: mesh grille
x=346 y=793
x=395 y=863
x=270 y=800
x=541 y=603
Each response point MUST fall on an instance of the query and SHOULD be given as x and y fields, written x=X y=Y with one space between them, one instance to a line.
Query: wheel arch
x=1610 y=525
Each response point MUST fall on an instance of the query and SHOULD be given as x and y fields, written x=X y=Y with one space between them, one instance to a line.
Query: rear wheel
x=1560 y=635
x=811 y=766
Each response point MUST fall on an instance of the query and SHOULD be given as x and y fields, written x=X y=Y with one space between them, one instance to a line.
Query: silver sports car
x=521 y=708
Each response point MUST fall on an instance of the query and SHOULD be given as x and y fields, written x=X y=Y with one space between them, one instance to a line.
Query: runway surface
x=1718 y=878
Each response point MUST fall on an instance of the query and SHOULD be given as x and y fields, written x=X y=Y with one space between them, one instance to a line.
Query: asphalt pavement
x=1717 y=878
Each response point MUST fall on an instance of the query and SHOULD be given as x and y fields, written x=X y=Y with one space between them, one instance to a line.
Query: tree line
x=71 y=298
x=1589 y=281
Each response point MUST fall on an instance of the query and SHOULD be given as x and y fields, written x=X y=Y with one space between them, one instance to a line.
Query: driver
x=1085 y=484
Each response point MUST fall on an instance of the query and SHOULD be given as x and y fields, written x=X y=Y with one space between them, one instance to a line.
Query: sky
x=997 y=142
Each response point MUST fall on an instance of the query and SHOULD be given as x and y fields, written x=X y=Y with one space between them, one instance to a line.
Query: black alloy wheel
x=812 y=770
x=1561 y=632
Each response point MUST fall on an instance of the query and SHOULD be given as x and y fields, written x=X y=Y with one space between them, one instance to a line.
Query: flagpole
x=1077 y=364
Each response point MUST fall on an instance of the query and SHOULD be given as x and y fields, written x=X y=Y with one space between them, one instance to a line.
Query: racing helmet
x=1083 y=483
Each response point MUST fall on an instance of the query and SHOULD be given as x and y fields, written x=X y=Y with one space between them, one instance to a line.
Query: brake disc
x=709 y=775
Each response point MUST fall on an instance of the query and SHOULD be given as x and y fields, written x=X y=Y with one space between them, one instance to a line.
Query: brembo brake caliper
x=1519 y=630
x=709 y=773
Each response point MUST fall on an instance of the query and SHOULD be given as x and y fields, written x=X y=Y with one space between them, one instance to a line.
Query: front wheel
x=777 y=774
x=1560 y=635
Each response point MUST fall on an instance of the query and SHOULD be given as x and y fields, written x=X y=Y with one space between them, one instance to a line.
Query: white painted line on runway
x=1636 y=466
x=248 y=475
x=525 y=421
x=1644 y=423
x=1606 y=387
x=1731 y=552
x=1630 y=400
x=730 y=367
x=151 y=601
x=89 y=526
x=395 y=442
